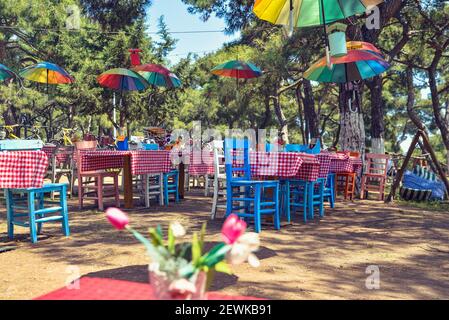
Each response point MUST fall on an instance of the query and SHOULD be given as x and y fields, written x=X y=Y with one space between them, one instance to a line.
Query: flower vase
x=163 y=289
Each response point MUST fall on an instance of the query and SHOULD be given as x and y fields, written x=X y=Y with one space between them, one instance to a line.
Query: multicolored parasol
x=46 y=72
x=122 y=79
x=6 y=73
x=237 y=69
x=158 y=75
x=309 y=13
x=356 y=65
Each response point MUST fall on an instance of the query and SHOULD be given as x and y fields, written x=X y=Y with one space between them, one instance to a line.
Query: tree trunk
x=281 y=119
x=310 y=115
x=377 y=115
x=352 y=127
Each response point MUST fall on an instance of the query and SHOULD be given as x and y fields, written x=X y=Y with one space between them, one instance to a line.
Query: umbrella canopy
x=122 y=79
x=6 y=73
x=365 y=46
x=356 y=65
x=309 y=13
x=46 y=72
x=237 y=69
x=158 y=75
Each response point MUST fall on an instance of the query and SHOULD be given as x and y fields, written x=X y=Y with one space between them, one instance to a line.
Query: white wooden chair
x=219 y=179
x=150 y=186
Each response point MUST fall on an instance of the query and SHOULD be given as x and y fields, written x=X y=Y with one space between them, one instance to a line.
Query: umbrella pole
x=290 y=19
x=328 y=57
x=114 y=116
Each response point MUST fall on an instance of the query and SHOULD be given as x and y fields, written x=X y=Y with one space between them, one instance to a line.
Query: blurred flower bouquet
x=183 y=270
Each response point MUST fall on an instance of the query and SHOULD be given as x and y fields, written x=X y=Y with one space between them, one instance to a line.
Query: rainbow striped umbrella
x=6 y=73
x=123 y=80
x=237 y=69
x=356 y=65
x=158 y=75
x=309 y=13
x=46 y=72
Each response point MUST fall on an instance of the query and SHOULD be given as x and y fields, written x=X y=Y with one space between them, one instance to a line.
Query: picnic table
x=91 y=288
x=133 y=162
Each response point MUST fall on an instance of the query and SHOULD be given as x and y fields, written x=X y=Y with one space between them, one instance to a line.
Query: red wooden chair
x=375 y=175
x=91 y=183
x=346 y=181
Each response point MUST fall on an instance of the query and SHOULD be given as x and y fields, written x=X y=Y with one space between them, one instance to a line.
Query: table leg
x=181 y=181
x=128 y=182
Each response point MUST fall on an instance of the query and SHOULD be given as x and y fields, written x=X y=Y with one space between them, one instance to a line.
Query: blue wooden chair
x=29 y=204
x=315 y=150
x=150 y=146
x=253 y=197
x=171 y=185
x=329 y=189
x=293 y=148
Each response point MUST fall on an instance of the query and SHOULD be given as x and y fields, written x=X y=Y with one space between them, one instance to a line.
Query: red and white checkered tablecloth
x=291 y=165
x=60 y=157
x=142 y=161
x=201 y=163
x=22 y=169
x=150 y=161
x=343 y=163
x=325 y=160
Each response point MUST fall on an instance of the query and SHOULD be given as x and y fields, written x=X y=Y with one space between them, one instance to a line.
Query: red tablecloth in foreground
x=22 y=169
x=142 y=161
x=109 y=289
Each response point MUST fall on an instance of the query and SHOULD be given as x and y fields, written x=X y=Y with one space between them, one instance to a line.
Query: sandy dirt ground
x=324 y=259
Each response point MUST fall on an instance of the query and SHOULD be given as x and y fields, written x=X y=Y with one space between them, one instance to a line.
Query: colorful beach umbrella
x=122 y=79
x=158 y=75
x=309 y=13
x=356 y=65
x=6 y=73
x=237 y=69
x=46 y=72
x=365 y=46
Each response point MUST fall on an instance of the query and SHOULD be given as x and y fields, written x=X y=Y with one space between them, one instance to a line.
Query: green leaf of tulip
x=223 y=267
x=171 y=241
x=152 y=250
x=196 y=249
x=216 y=255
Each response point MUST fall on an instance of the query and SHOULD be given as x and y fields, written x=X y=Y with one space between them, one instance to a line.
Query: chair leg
x=161 y=189
x=229 y=196
x=206 y=185
x=116 y=191
x=322 y=184
x=165 y=190
x=277 y=221
x=99 y=181
x=354 y=177
x=32 y=219
x=215 y=198
x=287 y=200
x=80 y=192
x=9 y=212
x=40 y=197
x=362 y=188
x=257 y=217
x=64 y=211
x=310 y=192
x=176 y=182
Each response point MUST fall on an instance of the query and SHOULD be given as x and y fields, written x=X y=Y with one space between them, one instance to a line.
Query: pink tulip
x=232 y=229
x=117 y=218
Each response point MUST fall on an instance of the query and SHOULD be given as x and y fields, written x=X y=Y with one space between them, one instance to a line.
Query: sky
x=178 y=19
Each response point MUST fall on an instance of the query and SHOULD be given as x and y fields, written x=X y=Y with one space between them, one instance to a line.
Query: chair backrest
x=81 y=146
x=316 y=149
x=377 y=163
x=236 y=154
x=293 y=148
x=150 y=146
x=219 y=163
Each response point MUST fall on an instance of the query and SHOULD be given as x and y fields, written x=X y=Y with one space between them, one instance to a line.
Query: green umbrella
x=6 y=73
